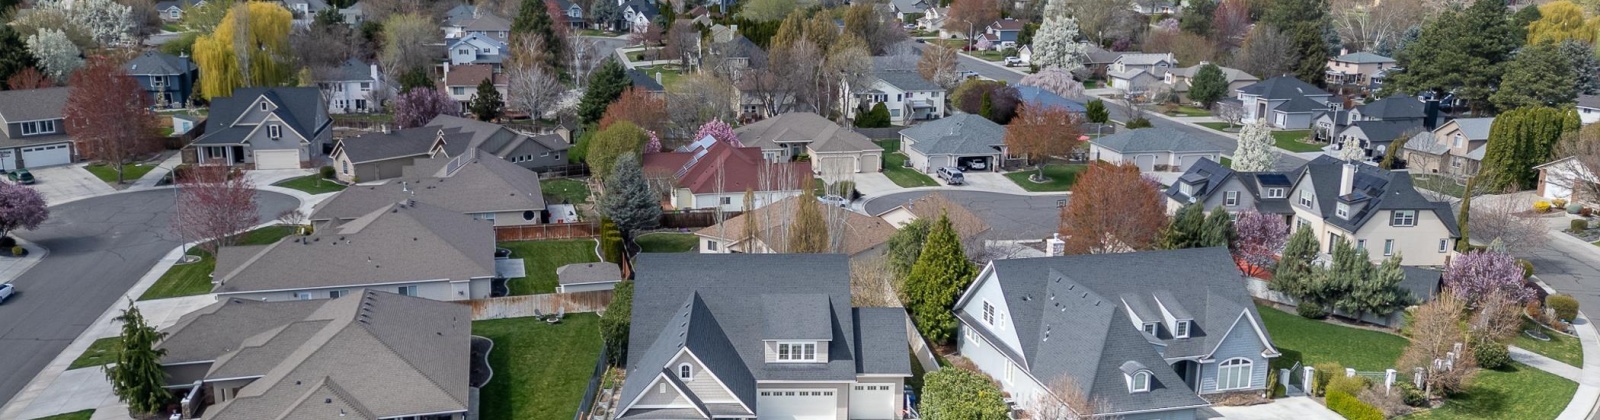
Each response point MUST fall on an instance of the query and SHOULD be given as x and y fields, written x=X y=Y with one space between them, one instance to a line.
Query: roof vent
x=1085 y=295
x=327 y=401
x=296 y=382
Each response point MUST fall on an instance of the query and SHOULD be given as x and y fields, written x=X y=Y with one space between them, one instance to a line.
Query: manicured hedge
x=1352 y=408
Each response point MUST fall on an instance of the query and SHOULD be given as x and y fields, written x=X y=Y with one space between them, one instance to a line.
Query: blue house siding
x=1242 y=342
x=1008 y=36
x=180 y=86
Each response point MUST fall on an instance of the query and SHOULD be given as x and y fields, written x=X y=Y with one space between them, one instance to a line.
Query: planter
x=1536 y=334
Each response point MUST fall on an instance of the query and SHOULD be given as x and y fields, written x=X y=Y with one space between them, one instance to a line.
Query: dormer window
x=1180 y=329
x=686 y=372
x=263 y=105
x=1342 y=210
x=1274 y=193
x=1150 y=328
x=1186 y=189
x=797 y=352
x=1140 y=382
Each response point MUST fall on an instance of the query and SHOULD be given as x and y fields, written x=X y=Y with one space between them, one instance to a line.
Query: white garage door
x=8 y=160
x=1188 y=161
x=55 y=154
x=278 y=159
x=872 y=401
x=1147 y=163
x=797 y=404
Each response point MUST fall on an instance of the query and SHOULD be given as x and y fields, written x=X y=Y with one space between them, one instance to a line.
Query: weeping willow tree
x=250 y=47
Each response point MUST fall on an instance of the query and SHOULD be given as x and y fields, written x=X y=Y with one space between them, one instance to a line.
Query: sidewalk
x=13 y=267
x=1583 y=402
x=150 y=179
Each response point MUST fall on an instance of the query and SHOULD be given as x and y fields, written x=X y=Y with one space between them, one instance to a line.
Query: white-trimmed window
x=1186 y=189
x=686 y=372
x=1234 y=374
x=1361 y=244
x=346 y=166
x=1150 y=328
x=988 y=313
x=302 y=295
x=1444 y=245
x=1403 y=218
x=335 y=294
x=1342 y=210
x=1140 y=382
x=797 y=352
x=711 y=245
x=263 y=105
x=1274 y=193
x=1230 y=198
x=408 y=290
x=366 y=86
x=1388 y=247
x=1305 y=197
x=1180 y=329
x=274 y=131
x=38 y=127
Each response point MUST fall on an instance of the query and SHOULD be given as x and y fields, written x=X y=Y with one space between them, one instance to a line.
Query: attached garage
x=1147 y=163
x=797 y=404
x=47 y=155
x=1186 y=161
x=8 y=160
x=278 y=159
x=872 y=401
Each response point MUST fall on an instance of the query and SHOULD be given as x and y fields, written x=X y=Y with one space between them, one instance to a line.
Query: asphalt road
x=1010 y=217
x=99 y=247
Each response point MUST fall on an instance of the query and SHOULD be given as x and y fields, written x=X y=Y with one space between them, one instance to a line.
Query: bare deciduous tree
x=214 y=205
x=1065 y=399
x=531 y=87
x=696 y=99
x=1581 y=174
x=584 y=55
x=1365 y=24
x=938 y=65
x=872 y=284
x=1267 y=53
x=1439 y=346
x=1500 y=218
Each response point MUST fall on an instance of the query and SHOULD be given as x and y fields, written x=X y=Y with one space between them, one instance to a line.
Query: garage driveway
x=1298 y=408
x=60 y=184
x=988 y=181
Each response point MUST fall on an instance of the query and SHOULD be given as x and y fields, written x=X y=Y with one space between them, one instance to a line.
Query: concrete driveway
x=987 y=181
x=1010 y=216
x=1297 y=408
x=61 y=184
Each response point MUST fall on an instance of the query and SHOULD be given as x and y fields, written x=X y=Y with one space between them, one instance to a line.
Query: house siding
x=990 y=291
x=1418 y=244
x=432 y=289
x=702 y=386
x=1241 y=342
x=993 y=363
x=517 y=217
x=654 y=397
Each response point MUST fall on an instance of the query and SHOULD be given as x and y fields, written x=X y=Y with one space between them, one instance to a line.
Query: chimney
x=1055 y=247
x=373 y=68
x=1347 y=179
x=1430 y=114
x=1344 y=51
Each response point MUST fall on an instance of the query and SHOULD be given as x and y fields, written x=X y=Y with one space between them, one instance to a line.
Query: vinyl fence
x=547 y=231
x=547 y=304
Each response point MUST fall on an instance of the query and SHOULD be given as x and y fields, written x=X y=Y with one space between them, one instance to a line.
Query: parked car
x=968 y=74
x=1013 y=61
x=834 y=200
x=952 y=175
x=6 y=291
x=977 y=164
x=21 y=176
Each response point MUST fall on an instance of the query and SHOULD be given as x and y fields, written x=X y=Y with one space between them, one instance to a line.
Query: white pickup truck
x=6 y=290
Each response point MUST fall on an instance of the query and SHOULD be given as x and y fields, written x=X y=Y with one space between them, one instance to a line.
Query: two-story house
x=172 y=10
x=709 y=174
x=168 y=79
x=269 y=128
x=1358 y=69
x=1376 y=125
x=833 y=150
x=475 y=184
x=35 y=134
x=1455 y=148
x=770 y=336
x=478 y=48
x=1002 y=33
x=638 y=14
x=1135 y=72
x=1284 y=102
x=1181 y=79
x=1589 y=108
x=906 y=95
x=461 y=82
x=1149 y=334
x=465 y=19
x=909 y=11
x=355 y=88
x=572 y=12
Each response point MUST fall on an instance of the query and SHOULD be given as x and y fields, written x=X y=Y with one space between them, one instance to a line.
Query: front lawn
x=195 y=278
x=1517 y=392
x=669 y=73
x=565 y=190
x=1290 y=140
x=1311 y=341
x=1226 y=163
x=987 y=55
x=76 y=415
x=312 y=184
x=540 y=370
x=894 y=167
x=130 y=172
x=1561 y=347
x=1439 y=183
x=667 y=242
x=100 y=353
x=541 y=258
x=1061 y=177
x=1219 y=126
x=1189 y=111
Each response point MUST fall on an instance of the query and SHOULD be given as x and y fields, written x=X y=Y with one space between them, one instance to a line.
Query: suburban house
x=1378 y=210
x=1181 y=79
x=1284 y=102
x=906 y=11
x=1561 y=178
x=482 y=187
x=269 y=128
x=537 y=152
x=966 y=141
x=759 y=336
x=735 y=55
x=35 y=134
x=1002 y=33
x=478 y=48
x=465 y=19
x=168 y=79
x=1374 y=126
x=1134 y=72
x=1359 y=70
x=304 y=11
x=650 y=83
x=1153 y=149
x=1589 y=108
x=711 y=174
x=573 y=13
x=1148 y=333
x=857 y=235
x=355 y=87
x=832 y=149
x=638 y=14
x=172 y=10
x=355 y=14
x=1098 y=60
x=1455 y=148
x=587 y=277
x=369 y=354
x=907 y=96
x=932 y=206
x=933 y=20
x=461 y=82
x=383 y=155
x=405 y=247
x=1156 y=7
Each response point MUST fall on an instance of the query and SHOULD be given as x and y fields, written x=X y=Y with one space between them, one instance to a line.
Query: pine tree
x=534 y=18
x=136 y=377
x=1521 y=139
x=1539 y=75
x=1294 y=275
x=937 y=280
x=1218 y=230
x=808 y=234
x=1350 y=268
x=1209 y=85
x=906 y=245
x=486 y=104
x=415 y=78
x=628 y=200
x=1380 y=293
x=986 y=106
x=13 y=55
x=605 y=86
x=1095 y=111
x=1186 y=228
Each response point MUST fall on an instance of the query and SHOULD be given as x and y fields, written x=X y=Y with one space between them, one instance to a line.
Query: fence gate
x=1292 y=379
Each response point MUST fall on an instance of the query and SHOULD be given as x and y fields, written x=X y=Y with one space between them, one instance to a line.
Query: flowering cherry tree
x=1474 y=274
x=1055 y=80
x=417 y=107
x=654 y=145
x=718 y=130
x=1258 y=237
x=21 y=207
x=983 y=44
x=1256 y=152
x=214 y=206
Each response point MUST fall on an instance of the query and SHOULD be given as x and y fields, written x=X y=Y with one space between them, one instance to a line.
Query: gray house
x=379 y=156
x=759 y=336
x=482 y=187
x=1153 y=149
x=967 y=141
x=268 y=128
x=1375 y=125
x=369 y=354
x=1284 y=102
x=1148 y=333
x=168 y=79
x=35 y=133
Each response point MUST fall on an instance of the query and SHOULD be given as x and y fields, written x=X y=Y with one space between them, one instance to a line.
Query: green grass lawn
x=566 y=190
x=667 y=242
x=1061 y=177
x=1517 y=392
x=101 y=352
x=1561 y=347
x=995 y=56
x=669 y=73
x=1226 y=163
x=364 y=117
x=1290 y=140
x=1189 y=111
x=540 y=370
x=594 y=32
x=894 y=167
x=1439 y=183
x=312 y=184
x=1219 y=126
x=130 y=172
x=195 y=278
x=541 y=258
x=1312 y=341
x=76 y=415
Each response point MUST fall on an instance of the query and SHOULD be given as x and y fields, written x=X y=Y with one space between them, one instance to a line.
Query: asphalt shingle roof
x=1283 y=87
x=645 y=81
x=1153 y=140
x=1387 y=131
x=158 y=63
x=410 y=142
x=302 y=109
x=821 y=134
x=1393 y=108
x=960 y=134
x=1387 y=191
x=482 y=184
x=1034 y=96
x=1364 y=57
x=33 y=104
x=908 y=81
x=1589 y=101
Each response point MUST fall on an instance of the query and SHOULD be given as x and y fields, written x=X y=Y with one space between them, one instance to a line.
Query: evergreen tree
x=1380 y=292
x=906 y=245
x=1197 y=16
x=1460 y=51
x=534 y=18
x=415 y=78
x=1095 y=111
x=1585 y=64
x=605 y=86
x=628 y=200
x=1186 y=228
x=941 y=273
x=615 y=322
x=1350 y=268
x=1218 y=230
x=1294 y=275
x=1209 y=85
x=136 y=377
x=878 y=117
x=13 y=56
x=808 y=234
x=1521 y=139
x=1306 y=23
x=986 y=106
x=486 y=104
x=1540 y=75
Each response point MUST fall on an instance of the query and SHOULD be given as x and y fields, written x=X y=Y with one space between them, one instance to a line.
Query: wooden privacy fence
x=547 y=231
x=547 y=304
x=686 y=219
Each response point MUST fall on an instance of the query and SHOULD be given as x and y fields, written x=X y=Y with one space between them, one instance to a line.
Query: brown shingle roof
x=859 y=232
x=742 y=168
x=930 y=206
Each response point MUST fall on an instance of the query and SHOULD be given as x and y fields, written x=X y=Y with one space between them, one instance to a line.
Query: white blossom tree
x=56 y=54
x=1056 y=43
x=532 y=89
x=1055 y=80
x=1255 y=152
x=104 y=22
x=1350 y=150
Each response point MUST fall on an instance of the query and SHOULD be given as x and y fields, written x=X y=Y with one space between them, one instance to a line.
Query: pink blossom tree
x=1055 y=80
x=215 y=205
x=1474 y=274
x=417 y=107
x=654 y=145
x=718 y=130
x=1258 y=237
x=21 y=207
x=983 y=44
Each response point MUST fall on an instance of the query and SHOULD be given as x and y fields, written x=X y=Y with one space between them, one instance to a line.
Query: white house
x=355 y=88
x=1285 y=102
x=906 y=95
x=478 y=48
x=1135 y=72
x=1589 y=108
x=1559 y=180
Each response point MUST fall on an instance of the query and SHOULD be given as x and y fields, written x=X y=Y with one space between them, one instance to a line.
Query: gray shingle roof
x=1301 y=104
x=353 y=70
x=33 y=104
x=301 y=109
x=1393 y=108
x=598 y=272
x=1387 y=191
x=1475 y=128
x=804 y=127
x=908 y=81
x=1364 y=57
x=1153 y=140
x=1589 y=101
x=961 y=134
x=880 y=338
x=1283 y=87
x=1205 y=176
x=481 y=185
x=158 y=63
x=410 y=142
x=1387 y=131
x=493 y=138
x=1034 y=96
x=794 y=316
x=645 y=81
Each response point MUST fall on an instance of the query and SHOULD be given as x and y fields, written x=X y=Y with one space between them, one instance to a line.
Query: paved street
x=99 y=247
x=1010 y=217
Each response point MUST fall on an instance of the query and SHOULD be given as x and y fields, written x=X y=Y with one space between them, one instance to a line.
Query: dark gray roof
x=158 y=63
x=1034 y=96
x=1396 y=107
x=796 y=317
x=1422 y=282
x=480 y=184
x=1363 y=57
x=301 y=109
x=908 y=81
x=1387 y=191
x=1205 y=176
x=493 y=138
x=880 y=338
x=410 y=142
x=741 y=47
x=1589 y=101
x=645 y=81
x=353 y=70
x=1382 y=132
x=1069 y=318
x=33 y=104
x=1154 y=140
x=960 y=134
x=1283 y=87
x=1301 y=104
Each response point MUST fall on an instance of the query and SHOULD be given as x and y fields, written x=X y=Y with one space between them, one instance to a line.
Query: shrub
x=17 y=251
x=1392 y=404
x=1585 y=212
x=1492 y=355
x=1352 y=408
x=1411 y=395
x=1559 y=202
x=1323 y=373
x=1140 y=122
x=1527 y=268
x=327 y=172
x=1573 y=208
x=1577 y=225
x=1351 y=385
x=1541 y=206
x=1310 y=310
x=1564 y=305
x=7 y=242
